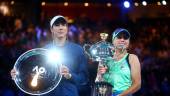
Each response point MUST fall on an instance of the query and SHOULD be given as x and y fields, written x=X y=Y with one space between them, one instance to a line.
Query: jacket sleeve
x=80 y=76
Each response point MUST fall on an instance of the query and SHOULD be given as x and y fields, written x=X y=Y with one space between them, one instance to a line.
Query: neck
x=60 y=41
x=118 y=54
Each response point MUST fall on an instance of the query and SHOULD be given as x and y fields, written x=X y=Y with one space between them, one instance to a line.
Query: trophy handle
x=99 y=77
x=86 y=48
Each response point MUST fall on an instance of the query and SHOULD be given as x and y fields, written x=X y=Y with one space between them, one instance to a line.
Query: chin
x=61 y=36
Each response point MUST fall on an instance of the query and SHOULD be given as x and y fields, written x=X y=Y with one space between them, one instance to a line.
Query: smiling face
x=59 y=28
x=121 y=41
x=59 y=31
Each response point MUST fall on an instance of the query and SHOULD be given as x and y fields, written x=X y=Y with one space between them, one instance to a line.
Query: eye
x=125 y=37
x=63 y=24
x=57 y=24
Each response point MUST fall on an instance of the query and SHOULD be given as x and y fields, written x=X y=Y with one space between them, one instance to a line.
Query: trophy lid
x=103 y=36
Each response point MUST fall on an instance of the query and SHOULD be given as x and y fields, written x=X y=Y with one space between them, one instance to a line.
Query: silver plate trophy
x=36 y=74
x=99 y=52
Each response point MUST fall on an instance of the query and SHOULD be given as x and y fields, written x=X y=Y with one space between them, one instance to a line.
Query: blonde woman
x=123 y=70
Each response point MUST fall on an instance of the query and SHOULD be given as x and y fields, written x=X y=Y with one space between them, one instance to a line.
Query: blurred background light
x=164 y=2
x=158 y=3
x=144 y=3
x=4 y=9
x=136 y=4
x=109 y=4
x=65 y=3
x=126 y=4
x=43 y=3
x=86 y=4
x=12 y=2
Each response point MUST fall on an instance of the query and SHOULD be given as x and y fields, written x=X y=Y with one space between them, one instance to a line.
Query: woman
x=74 y=69
x=123 y=70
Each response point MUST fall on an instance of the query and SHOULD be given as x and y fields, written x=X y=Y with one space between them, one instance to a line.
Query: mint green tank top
x=119 y=74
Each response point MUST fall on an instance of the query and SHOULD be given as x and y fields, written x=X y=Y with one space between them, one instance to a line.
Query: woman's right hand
x=13 y=73
x=102 y=69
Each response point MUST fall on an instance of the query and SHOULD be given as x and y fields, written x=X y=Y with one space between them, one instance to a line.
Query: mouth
x=60 y=32
x=121 y=44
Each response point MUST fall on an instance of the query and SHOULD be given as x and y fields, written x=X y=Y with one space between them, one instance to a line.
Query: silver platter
x=35 y=75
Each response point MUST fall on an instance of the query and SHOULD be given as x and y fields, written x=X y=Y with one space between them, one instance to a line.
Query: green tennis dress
x=119 y=74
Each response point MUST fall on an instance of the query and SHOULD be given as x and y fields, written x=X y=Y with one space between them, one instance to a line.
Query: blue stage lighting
x=126 y=4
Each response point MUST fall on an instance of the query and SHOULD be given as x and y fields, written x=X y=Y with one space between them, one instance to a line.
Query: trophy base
x=101 y=89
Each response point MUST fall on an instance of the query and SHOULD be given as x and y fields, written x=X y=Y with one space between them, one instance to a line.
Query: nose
x=122 y=39
x=60 y=27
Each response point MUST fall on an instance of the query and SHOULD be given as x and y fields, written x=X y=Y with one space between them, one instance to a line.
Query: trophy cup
x=35 y=73
x=99 y=52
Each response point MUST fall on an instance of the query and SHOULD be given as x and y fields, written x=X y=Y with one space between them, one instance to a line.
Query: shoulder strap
x=127 y=59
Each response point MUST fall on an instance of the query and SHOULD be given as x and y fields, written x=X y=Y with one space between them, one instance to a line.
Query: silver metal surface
x=35 y=75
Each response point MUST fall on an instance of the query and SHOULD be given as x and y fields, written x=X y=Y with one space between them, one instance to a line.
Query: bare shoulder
x=133 y=59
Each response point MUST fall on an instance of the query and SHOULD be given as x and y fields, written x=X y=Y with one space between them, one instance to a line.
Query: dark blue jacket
x=74 y=58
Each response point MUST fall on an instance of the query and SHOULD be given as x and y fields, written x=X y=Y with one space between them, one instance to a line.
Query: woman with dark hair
x=74 y=61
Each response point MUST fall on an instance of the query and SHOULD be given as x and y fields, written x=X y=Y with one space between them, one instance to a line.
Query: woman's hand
x=102 y=69
x=65 y=72
x=13 y=73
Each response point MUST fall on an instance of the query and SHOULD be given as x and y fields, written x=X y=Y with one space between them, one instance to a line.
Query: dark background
x=26 y=25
